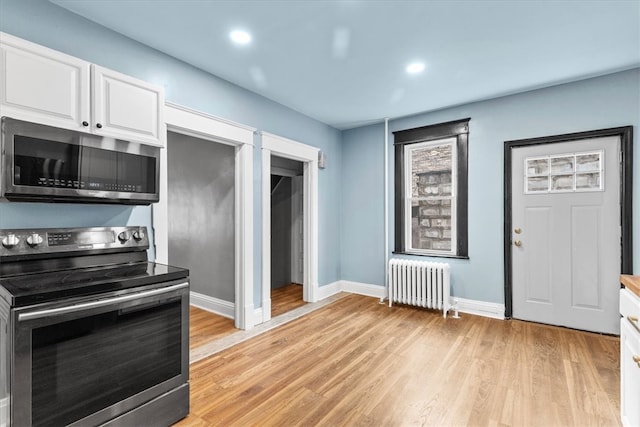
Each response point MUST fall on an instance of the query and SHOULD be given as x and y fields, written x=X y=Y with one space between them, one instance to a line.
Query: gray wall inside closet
x=201 y=213
x=282 y=220
x=280 y=231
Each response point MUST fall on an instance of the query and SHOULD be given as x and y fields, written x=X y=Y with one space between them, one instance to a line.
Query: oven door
x=92 y=360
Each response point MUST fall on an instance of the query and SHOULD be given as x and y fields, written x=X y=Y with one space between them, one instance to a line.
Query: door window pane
x=588 y=181
x=587 y=162
x=562 y=173
x=562 y=165
x=562 y=183
x=537 y=184
x=537 y=166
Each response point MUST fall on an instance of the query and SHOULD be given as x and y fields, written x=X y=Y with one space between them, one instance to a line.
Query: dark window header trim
x=431 y=132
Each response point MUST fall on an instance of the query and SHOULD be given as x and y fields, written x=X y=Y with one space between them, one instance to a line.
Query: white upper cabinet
x=125 y=107
x=41 y=85
x=45 y=86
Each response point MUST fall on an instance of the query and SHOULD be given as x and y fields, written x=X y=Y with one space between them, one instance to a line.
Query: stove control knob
x=34 y=240
x=138 y=234
x=124 y=236
x=10 y=240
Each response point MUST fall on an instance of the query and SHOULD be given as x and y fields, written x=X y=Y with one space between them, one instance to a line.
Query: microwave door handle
x=99 y=303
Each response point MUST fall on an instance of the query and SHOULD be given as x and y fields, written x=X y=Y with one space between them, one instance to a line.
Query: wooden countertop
x=631 y=282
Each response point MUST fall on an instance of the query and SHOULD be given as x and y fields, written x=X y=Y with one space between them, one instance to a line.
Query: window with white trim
x=431 y=190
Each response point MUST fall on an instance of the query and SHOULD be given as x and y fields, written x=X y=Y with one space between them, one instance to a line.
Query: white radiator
x=420 y=283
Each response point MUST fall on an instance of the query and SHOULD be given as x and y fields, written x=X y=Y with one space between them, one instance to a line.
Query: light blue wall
x=598 y=103
x=363 y=205
x=44 y=23
x=350 y=188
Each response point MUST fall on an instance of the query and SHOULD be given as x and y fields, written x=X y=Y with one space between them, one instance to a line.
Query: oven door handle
x=99 y=303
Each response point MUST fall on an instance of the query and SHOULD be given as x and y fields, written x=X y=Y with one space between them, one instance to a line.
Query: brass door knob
x=517 y=230
x=518 y=243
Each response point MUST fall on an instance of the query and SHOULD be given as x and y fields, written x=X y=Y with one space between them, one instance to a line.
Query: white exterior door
x=566 y=250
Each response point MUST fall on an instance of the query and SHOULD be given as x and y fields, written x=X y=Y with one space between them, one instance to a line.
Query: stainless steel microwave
x=48 y=164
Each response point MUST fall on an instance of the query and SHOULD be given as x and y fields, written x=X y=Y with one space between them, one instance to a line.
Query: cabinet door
x=630 y=374
x=41 y=85
x=126 y=108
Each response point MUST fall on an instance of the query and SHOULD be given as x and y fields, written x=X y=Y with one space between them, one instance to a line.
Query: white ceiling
x=343 y=62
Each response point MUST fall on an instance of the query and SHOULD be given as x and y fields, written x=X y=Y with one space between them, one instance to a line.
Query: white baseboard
x=257 y=316
x=359 y=288
x=365 y=289
x=327 y=290
x=214 y=305
x=479 y=308
x=226 y=308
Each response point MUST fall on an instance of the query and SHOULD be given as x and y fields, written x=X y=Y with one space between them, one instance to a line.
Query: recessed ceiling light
x=415 y=68
x=240 y=37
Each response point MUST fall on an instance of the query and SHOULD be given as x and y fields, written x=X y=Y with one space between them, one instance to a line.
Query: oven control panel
x=27 y=242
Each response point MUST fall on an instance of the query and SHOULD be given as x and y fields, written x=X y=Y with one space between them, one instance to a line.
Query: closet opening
x=287 y=235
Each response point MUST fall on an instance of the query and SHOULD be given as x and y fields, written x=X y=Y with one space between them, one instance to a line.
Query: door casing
x=308 y=155
x=626 y=183
x=189 y=122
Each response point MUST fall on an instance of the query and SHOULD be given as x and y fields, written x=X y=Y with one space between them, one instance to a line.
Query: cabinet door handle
x=99 y=125
x=85 y=123
x=636 y=359
x=634 y=322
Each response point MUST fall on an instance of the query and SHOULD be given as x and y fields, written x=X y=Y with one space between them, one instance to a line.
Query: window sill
x=430 y=255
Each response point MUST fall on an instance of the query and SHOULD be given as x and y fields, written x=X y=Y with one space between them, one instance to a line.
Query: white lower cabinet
x=629 y=359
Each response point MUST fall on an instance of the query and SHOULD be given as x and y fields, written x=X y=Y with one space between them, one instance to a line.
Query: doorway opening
x=567 y=199
x=278 y=147
x=237 y=141
x=287 y=235
x=201 y=203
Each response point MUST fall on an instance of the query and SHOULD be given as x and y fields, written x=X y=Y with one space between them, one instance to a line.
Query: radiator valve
x=455 y=308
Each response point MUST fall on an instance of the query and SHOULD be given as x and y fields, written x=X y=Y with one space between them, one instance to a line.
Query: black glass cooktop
x=51 y=280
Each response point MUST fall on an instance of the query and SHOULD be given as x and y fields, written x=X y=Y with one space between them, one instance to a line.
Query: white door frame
x=626 y=181
x=308 y=155
x=201 y=125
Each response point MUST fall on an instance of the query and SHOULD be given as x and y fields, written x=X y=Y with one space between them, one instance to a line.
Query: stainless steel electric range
x=91 y=333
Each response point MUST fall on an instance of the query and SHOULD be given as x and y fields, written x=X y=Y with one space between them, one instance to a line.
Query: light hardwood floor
x=205 y=327
x=285 y=299
x=356 y=362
